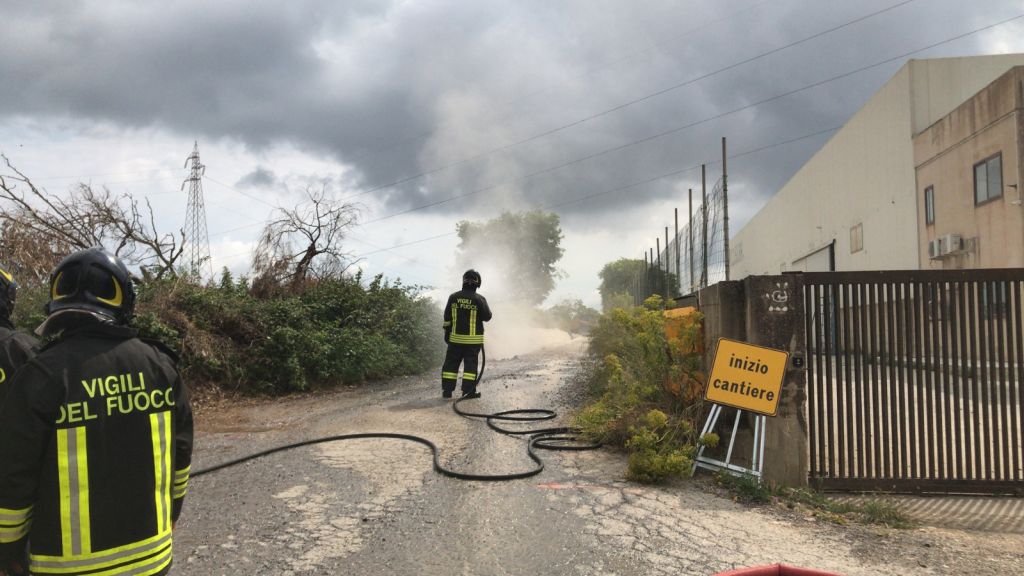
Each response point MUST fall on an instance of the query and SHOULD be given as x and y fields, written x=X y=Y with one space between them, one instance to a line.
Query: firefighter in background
x=95 y=435
x=15 y=347
x=464 y=317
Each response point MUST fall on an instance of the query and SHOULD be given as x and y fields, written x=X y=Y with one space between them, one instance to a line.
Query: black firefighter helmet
x=8 y=292
x=471 y=279
x=92 y=281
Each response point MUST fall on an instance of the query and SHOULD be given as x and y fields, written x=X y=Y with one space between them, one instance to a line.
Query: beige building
x=855 y=204
x=968 y=163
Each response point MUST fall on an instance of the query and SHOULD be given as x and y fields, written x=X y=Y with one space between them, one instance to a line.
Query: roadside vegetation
x=645 y=380
x=647 y=390
x=332 y=331
x=880 y=511
x=303 y=318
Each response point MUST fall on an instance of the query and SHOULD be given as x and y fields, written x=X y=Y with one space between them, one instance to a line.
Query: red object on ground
x=775 y=570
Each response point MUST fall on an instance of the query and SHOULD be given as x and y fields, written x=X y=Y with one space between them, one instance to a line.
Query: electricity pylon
x=197 y=240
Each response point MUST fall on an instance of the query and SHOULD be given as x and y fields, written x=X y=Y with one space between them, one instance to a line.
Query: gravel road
x=376 y=507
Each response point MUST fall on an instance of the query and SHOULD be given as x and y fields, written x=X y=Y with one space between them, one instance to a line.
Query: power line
x=694 y=123
x=629 y=103
x=590 y=71
x=90 y=176
x=632 y=184
x=237 y=191
x=694 y=167
x=392 y=249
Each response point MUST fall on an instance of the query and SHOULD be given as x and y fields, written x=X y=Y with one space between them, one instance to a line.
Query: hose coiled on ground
x=556 y=438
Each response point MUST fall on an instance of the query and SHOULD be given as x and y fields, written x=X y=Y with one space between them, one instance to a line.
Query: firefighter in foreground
x=15 y=347
x=464 y=317
x=95 y=435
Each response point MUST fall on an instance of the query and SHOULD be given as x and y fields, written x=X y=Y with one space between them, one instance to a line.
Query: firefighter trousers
x=456 y=355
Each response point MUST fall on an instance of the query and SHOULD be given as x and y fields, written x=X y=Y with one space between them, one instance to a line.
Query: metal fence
x=914 y=380
x=692 y=258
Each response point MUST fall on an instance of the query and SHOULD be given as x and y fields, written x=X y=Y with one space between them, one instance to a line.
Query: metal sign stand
x=756 y=459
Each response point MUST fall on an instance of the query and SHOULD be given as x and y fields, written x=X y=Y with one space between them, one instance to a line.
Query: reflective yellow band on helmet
x=118 y=296
x=53 y=288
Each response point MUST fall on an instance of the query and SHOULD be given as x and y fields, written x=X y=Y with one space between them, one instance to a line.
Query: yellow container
x=679 y=321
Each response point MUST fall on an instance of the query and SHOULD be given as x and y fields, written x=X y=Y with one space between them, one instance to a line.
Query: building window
x=857 y=238
x=929 y=205
x=988 y=179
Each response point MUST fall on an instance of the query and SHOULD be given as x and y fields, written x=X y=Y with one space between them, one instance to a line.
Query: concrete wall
x=767 y=311
x=724 y=313
x=864 y=175
x=945 y=154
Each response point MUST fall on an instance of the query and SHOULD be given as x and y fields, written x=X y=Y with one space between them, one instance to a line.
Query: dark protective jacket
x=95 y=451
x=15 y=349
x=464 y=317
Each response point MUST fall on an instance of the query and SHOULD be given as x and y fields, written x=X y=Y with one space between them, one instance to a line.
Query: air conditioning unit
x=933 y=249
x=950 y=244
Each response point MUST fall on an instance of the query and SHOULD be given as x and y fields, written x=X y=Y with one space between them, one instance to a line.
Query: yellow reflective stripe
x=181 y=482
x=84 y=520
x=101 y=559
x=144 y=562
x=14 y=524
x=452 y=375
x=158 y=462
x=183 y=472
x=447 y=324
x=73 y=481
x=455 y=320
x=65 y=490
x=472 y=322
x=12 y=515
x=10 y=534
x=160 y=430
x=458 y=339
x=468 y=376
x=168 y=466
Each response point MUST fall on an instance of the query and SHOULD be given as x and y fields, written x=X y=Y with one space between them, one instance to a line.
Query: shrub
x=642 y=382
x=330 y=332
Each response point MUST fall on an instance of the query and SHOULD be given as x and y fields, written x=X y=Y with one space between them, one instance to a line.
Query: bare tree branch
x=86 y=217
x=304 y=242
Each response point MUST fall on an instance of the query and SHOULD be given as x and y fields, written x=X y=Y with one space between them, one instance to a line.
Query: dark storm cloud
x=258 y=178
x=395 y=90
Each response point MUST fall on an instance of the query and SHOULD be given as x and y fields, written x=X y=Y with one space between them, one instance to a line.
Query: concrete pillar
x=775 y=319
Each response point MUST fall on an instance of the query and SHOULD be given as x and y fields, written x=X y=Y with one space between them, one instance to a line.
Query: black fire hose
x=559 y=438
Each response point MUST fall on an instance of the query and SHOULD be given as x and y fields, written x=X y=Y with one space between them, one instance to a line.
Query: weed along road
x=376 y=506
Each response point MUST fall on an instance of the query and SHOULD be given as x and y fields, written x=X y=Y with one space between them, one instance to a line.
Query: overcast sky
x=429 y=112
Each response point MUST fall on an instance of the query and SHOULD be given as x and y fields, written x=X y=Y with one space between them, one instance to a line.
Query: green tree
x=620 y=278
x=521 y=247
x=617 y=278
x=573 y=316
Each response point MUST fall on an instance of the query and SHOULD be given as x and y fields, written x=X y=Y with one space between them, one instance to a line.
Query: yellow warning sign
x=747 y=377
